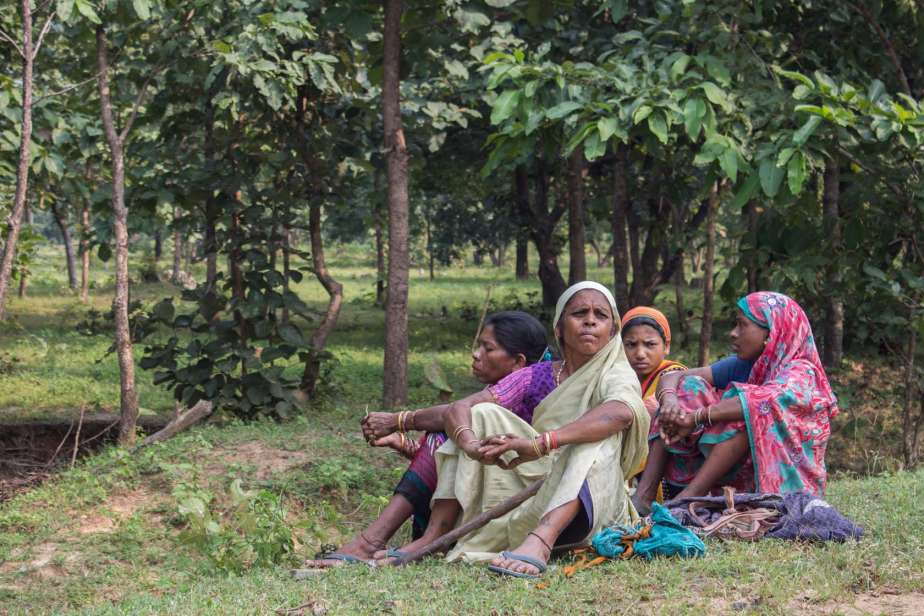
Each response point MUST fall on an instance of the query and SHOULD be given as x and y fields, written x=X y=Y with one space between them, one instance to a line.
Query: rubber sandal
x=529 y=560
x=347 y=559
x=395 y=553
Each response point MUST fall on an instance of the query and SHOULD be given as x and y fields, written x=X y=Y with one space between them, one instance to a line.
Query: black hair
x=644 y=321
x=518 y=333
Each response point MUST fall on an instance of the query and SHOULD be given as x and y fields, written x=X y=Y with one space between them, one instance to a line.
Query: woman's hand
x=494 y=446
x=676 y=424
x=377 y=425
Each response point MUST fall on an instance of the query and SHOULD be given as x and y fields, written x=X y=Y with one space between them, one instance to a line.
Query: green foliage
x=252 y=532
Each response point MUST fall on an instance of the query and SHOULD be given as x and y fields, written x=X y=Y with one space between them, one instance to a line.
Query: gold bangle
x=548 y=442
x=536 y=447
x=458 y=432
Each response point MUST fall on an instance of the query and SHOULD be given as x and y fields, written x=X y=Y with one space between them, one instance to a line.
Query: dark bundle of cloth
x=798 y=515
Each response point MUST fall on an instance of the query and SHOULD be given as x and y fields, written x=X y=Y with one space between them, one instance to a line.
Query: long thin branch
x=41 y=36
x=871 y=20
x=68 y=88
x=10 y=40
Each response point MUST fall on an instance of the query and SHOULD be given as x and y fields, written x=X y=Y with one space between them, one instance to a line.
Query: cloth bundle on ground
x=661 y=536
x=797 y=515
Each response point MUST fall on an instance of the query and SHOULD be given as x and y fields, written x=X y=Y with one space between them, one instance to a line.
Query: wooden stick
x=200 y=410
x=77 y=436
x=454 y=535
x=484 y=313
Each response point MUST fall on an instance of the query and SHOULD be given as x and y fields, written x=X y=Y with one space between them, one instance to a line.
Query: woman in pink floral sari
x=767 y=433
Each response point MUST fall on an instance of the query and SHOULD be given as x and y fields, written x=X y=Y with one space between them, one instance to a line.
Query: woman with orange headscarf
x=646 y=336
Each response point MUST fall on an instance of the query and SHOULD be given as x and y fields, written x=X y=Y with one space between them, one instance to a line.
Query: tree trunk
x=286 y=268
x=66 y=240
x=158 y=247
x=478 y=257
x=680 y=283
x=212 y=209
x=752 y=264
x=632 y=222
x=429 y=245
x=396 y=342
x=909 y=426
x=705 y=333
x=378 y=215
x=577 y=268
x=22 y=170
x=177 y=247
x=85 y=253
x=335 y=293
x=123 y=340
x=620 y=244
x=521 y=190
x=543 y=229
x=833 y=351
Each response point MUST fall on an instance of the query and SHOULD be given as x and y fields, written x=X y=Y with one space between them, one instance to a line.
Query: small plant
x=253 y=532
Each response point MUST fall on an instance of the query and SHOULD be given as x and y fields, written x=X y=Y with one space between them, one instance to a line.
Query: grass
x=108 y=537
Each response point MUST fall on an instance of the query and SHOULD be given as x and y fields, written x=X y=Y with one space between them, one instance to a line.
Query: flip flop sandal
x=395 y=553
x=529 y=560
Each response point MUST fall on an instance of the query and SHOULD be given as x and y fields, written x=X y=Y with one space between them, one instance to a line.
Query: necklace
x=561 y=369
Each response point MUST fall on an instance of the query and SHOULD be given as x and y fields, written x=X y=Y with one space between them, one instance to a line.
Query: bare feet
x=406 y=446
x=357 y=549
x=531 y=547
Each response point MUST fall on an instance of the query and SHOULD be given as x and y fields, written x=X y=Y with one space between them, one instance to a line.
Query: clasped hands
x=675 y=423
x=489 y=450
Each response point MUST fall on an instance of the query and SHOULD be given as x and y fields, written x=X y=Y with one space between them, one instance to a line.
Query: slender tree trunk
x=705 y=334
x=177 y=247
x=66 y=240
x=909 y=426
x=378 y=216
x=22 y=170
x=632 y=222
x=187 y=248
x=429 y=245
x=396 y=337
x=212 y=209
x=833 y=351
x=620 y=244
x=680 y=283
x=129 y=395
x=286 y=269
x=577 y=268
x=521 y=190
x=543 y=229
x=335 y=293
x=85 y=253
x=158 y=246
x=752 y=265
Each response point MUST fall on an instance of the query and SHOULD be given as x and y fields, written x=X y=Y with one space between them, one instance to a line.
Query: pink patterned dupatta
x=787 y=401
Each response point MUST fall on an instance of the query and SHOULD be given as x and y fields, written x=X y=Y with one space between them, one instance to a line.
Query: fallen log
x=199 y=411
x=477 y=522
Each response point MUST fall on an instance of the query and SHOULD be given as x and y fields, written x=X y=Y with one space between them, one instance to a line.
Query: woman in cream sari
x=583 y=438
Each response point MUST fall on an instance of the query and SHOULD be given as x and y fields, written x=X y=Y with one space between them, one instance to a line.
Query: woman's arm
x=459 y=415
x=595 y=425
x=380 y=424
x=676 y=424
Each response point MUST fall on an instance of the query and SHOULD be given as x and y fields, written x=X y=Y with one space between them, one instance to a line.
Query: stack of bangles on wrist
x=403 y=424
x=698 y=416
x=458 y=432
x=547 y=441
x=662 y=393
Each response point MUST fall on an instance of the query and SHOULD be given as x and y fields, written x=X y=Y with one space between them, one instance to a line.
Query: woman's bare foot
x=531 y=547
x=359 y=548
x=407 y=446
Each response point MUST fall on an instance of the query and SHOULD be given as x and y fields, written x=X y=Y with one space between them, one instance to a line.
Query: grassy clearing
x=108 y=537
